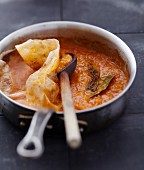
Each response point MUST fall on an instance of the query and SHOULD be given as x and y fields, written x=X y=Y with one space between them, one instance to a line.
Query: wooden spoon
x=70 y=119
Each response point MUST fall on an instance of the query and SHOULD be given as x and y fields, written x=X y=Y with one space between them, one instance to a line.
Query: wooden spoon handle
x=73 y=135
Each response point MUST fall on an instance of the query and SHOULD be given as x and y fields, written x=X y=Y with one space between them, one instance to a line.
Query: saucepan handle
x=32 y=144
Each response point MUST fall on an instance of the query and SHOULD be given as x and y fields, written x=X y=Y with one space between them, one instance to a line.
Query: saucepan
x=88 y=119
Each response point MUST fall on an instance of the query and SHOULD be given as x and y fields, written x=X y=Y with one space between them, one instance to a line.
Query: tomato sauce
x=106 y=60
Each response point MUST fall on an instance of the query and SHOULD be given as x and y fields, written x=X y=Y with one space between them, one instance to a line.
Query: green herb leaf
x=102 y=84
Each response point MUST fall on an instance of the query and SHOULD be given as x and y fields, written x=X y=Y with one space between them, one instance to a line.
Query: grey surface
x=121 y=145
x=15 y=14
x=55 y=155
x=118 y=147
x=135 y=103
x=117 y=16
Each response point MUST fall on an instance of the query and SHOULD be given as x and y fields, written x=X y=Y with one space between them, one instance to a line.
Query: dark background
x=121 y=145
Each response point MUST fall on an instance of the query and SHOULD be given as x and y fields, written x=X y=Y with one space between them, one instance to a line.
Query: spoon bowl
x=70 y=68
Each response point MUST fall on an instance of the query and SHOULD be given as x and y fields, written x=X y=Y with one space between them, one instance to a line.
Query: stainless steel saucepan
x=88 y=119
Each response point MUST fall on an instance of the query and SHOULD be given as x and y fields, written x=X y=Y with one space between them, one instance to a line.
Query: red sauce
x=106 y=60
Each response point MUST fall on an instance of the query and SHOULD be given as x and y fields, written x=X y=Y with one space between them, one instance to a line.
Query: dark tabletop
x=117 y=147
